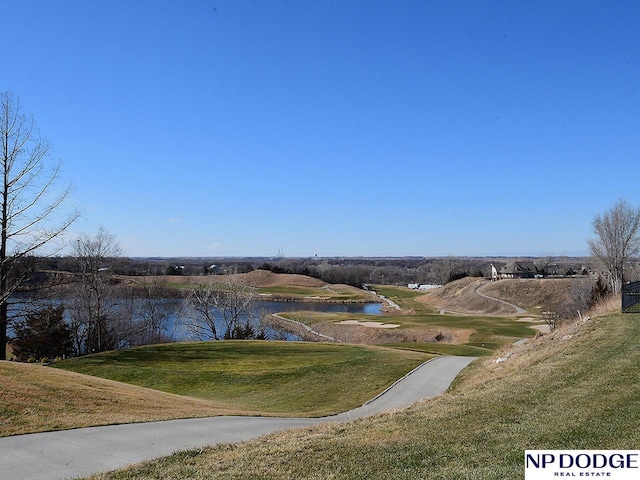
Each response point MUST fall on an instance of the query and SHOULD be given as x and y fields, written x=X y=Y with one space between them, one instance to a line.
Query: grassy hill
x=258 y=377
x=577 y=388
x=35 y=398
x=185 y=380
x=269 y=285
x=531 y=294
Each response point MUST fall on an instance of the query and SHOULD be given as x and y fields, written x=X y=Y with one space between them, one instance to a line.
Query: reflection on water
x=174 y=310
x=357 y=308
x=179 y=332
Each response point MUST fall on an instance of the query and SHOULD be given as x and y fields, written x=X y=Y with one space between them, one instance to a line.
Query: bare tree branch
x=29 y=199
x=617 y=241
x=231 y=303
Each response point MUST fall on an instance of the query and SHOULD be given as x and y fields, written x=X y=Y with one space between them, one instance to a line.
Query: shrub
x=245 y=331
x=42 y=334
x=598 y=293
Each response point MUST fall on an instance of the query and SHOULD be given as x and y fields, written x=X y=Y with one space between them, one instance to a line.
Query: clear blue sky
x=336 y=128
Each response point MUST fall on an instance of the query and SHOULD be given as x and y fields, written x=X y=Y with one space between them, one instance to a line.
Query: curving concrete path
x=519 y=310
x=84 y=451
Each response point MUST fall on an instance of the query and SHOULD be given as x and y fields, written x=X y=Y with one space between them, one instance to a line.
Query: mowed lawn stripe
x=277 y=378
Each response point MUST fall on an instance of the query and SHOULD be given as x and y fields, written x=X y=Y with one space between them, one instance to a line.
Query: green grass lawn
x=488 y=332
x=465 y=350
x=296 y=291
x=335 y=292
x=575 y=389
x=312 y=318
x=405 y=298
x=484 y=326
x=277 y=378
x=491 y=331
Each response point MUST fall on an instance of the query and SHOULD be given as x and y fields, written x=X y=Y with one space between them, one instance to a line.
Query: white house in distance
x=523 y=269
x=422 y=286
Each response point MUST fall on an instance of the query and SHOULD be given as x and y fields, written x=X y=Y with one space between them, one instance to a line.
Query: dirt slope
x=460 y=296
x=532 y=293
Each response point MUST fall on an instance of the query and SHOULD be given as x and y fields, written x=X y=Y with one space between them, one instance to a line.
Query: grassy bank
x=333 y=293
x=404 y=297
x=270 y=378
x=467 y=350
x=578 y=388
x=35 y=398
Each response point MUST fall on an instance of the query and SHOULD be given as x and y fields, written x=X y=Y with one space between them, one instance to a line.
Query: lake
x=179 y=333
x=174 y=309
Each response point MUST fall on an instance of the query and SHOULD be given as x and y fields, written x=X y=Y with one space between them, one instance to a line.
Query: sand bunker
x=368 y=324
x=542 y=328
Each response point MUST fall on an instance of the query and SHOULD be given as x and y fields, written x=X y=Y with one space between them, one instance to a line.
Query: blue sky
x=336 y=128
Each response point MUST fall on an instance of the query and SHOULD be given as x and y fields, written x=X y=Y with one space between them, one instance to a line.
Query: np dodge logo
x=614 y=464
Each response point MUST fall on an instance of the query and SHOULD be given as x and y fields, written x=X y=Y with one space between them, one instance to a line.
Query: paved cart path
x=519 y=310
x=84 y=451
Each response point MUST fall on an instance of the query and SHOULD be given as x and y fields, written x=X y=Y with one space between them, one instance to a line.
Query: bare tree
x=552 y=318
x=443 y=270
x=229 y=304
x=545 y=266
x=30 y=201
x=94 y=303
x=579 y=295
x=149 y=315
x=617 y=241
x=200 y=316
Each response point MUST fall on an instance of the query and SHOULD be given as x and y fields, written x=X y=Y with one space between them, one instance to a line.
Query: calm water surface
x=175 y=311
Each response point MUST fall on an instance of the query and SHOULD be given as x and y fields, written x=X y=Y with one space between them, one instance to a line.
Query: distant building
x=523 y=269
x=422 y=286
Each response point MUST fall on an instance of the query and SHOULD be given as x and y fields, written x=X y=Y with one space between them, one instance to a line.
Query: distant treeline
x=351 y=271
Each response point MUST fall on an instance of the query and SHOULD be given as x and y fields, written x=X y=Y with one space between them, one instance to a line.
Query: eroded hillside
x=465 y=295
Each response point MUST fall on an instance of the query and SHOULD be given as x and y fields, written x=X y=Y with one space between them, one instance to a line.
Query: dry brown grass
x=264 y=278
x=531 y=293
x=460 y=296
x=256 y=278
x=35 y=398
x=361 y=334
x=608 y=306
